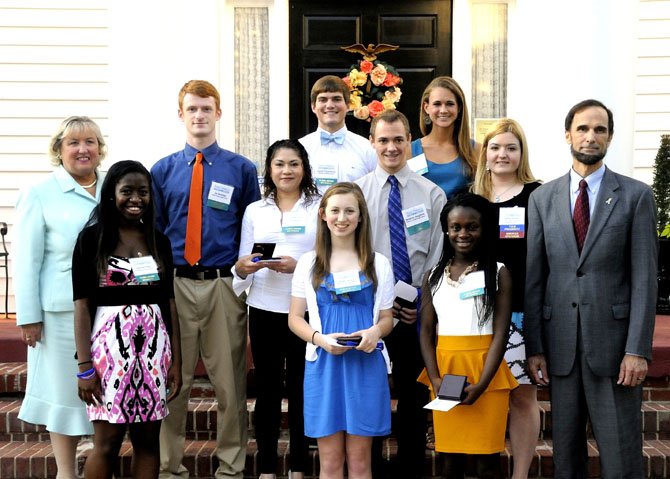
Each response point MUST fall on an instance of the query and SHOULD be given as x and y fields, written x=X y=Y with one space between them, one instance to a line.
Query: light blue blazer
x=50 y=215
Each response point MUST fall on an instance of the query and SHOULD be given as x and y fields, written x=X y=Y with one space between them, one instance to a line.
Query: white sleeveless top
x=456 y=307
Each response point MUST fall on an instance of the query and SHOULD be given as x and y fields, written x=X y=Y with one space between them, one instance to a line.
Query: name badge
x=346 y=281
x=325 y=173
x=418 y=164
x=219 y=196
x=473 y=285
x=145 y=269
x=293 y=222
x=416 y=219
x=512 y=222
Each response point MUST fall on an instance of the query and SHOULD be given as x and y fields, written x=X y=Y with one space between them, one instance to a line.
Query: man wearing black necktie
x=590 y=300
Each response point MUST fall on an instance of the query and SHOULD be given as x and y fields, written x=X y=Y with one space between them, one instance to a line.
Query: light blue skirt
x=51 y=394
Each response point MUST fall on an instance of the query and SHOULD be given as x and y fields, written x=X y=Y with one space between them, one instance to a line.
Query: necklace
x=499 y=196
x=91 y=185
x=461 y=278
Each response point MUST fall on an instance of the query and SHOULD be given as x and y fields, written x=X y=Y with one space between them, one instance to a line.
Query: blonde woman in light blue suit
x=50 y=215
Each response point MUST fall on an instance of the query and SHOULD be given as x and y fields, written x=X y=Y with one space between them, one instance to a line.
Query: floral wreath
x=373 y=84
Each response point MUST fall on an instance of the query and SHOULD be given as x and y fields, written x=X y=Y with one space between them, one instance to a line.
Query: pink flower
x=393 y=95
x=362 y=113
x=378 y=74
x=366 y=66
x=375 y=107
x=347 y=81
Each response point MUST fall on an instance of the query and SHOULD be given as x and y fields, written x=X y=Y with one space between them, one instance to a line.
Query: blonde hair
x=482 y=184
x=75 y=124
x=462 y=138
x=363 y=240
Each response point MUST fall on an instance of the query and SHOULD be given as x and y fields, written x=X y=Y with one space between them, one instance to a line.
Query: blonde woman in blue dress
x=348 y=289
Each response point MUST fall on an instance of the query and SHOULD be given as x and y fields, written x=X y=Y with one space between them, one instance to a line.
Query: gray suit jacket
x=609 y=291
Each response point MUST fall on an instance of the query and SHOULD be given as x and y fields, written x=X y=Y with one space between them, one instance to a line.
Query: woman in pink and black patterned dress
x=126 y=325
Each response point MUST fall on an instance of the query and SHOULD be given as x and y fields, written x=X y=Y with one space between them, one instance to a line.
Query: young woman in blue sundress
x=348 y=290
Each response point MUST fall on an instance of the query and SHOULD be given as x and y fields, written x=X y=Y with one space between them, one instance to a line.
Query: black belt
x=194 y=272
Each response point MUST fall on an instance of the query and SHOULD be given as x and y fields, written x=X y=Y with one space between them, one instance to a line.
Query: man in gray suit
x=590 y=300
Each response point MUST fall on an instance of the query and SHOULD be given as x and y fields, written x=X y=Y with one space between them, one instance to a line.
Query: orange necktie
x=194 y=220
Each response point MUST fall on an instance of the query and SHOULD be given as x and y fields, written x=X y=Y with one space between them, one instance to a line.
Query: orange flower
x=375 y=107
x=366 y=66
x=391 y=79
x=347 y=81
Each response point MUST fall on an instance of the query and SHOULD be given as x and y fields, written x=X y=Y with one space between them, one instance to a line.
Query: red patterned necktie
x=581 y=216
x=194 y=219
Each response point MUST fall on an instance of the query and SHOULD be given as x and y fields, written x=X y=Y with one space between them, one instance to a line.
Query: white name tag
x=418 y=164
x=220 y=196
x=293 y=222
x=416 y=219
x=145 y=269
x=473 y=285
x=325 y=172
x=346 y=281
x=512 y=222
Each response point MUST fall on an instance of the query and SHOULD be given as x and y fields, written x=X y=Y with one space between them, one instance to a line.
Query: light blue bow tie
x=328 y=137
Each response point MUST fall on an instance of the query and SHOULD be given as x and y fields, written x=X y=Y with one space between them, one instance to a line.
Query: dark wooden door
x=318 y=28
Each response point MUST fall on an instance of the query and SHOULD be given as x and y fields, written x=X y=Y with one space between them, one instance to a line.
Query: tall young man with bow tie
x=201 y=193
x=335 y=153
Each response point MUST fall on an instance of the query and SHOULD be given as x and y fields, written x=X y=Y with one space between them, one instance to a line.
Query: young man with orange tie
x=201 y=193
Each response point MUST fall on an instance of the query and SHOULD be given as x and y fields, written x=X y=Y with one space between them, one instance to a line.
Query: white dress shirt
x=424 y=247
x=262 y=223
x=354 y=158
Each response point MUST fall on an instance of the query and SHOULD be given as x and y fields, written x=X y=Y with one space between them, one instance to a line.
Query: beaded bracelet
x=313 y=334
x=88 y=374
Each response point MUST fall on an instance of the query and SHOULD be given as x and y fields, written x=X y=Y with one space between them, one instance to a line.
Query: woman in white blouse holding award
x=285 y=217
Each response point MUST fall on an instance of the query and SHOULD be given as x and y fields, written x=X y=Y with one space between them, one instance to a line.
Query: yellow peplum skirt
x=479 y=428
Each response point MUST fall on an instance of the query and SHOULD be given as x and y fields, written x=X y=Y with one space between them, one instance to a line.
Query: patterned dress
x=130 y=349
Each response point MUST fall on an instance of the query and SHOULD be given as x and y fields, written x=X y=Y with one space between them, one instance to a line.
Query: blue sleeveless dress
x=347 y=392
x=450 y=176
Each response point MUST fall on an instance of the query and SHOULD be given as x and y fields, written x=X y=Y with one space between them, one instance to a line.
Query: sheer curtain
x=251 y=83
x=489 y=60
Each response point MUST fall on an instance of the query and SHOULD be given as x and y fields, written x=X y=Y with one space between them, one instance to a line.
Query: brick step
x=202 y=416
x=13 y=382
x=36 y=460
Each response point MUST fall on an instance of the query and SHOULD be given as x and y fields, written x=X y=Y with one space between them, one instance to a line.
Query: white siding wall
x=123 y=62
x=53 y=64
x=652 y=88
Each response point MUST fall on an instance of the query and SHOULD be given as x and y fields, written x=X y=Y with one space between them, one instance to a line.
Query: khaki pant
x=213 y=322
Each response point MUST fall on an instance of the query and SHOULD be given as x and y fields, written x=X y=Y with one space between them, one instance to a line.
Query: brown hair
x=363 y=240
x=462 y=138
x=76 y=124
x=482 y=184
x=329 y=84
x=201 y=88
x=389 y=116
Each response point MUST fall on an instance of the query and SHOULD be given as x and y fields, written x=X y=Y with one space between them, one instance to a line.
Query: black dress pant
x=410 y=419
x=273 y=345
